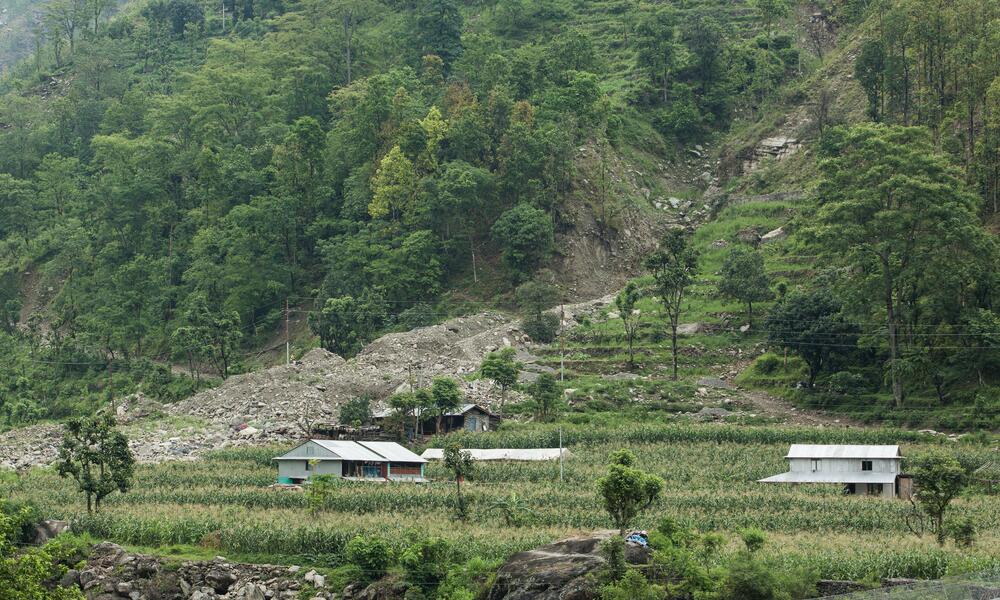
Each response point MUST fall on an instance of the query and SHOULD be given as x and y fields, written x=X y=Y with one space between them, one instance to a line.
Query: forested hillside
x=173 y=174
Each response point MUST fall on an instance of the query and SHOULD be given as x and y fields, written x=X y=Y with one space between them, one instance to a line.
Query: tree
x=97 y=457
x=439 y=29
x=352 y=13
x=547 y=396
x=356 y=411
x=626 y=490
x=744 y=278
x=869 y=69
x=899 y=217
x=938 y=478
x=625 y=302
x=446 y=397
x=337 y=325
x=394 y=186
x=657 y=50
x=525 y=236
x=462 y=465
x=771 y=11
x=502 y=368
x=674 y=266
x=812 y=325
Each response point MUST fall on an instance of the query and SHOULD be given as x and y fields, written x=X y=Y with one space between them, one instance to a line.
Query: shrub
x=613 y=551
x=633 y=586
x=845 y=382
x=963 y=531
x=767 y=364
x=541 y=327
x=371 y=554
x=754 y=539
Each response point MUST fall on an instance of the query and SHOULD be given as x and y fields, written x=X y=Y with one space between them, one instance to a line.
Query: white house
x=868 y=470
x=379 y=461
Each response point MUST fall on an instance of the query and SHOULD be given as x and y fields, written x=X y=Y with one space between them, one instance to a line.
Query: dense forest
x=175 y=173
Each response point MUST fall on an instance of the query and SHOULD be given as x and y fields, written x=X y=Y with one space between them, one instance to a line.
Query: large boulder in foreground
x=558 y=571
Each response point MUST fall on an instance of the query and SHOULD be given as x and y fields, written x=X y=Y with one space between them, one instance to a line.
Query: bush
x=371 y=554
x=963 y=531
x=633 y=586
x=767 y=364
x=845 y=382
x=541 y=327
x=754 y=539
x=427 y=562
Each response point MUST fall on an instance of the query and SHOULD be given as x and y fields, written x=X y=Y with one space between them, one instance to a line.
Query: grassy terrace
x=223 y=504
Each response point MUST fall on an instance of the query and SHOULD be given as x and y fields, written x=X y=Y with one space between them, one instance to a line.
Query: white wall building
x=385 y=461
x=865 y=470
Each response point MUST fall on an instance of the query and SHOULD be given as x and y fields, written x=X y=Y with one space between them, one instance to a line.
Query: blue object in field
x=638 y=538
x=285 y=480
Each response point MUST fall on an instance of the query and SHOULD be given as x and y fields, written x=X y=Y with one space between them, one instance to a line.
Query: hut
x=369 y=461
x=865 y=470
x=468 y=417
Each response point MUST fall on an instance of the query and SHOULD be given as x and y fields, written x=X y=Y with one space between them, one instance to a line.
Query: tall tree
x=502 y=368
x=657 y=50
x=811 y=324
x=674 y=266
x=462 y=465
x=744 y=279
x=625 y=303
x=899 y=216
x=626 y=490
x=439 y=29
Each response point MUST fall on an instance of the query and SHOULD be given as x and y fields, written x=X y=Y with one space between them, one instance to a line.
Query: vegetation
x=96 y=455
x=626 y=490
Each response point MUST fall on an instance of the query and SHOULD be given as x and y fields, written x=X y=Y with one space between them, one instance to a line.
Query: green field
x=223 y=504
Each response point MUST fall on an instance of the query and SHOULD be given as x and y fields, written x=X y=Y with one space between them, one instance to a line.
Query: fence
x=978 y=586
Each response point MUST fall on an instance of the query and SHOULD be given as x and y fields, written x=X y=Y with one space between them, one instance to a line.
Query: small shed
x=361 y=460
x=468 y=417
x=865 y=470
x=508 y=454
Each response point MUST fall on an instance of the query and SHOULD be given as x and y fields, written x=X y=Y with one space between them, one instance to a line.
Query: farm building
x=468 y=417
x=865 y=470
x=385 y=461
x=512 y=454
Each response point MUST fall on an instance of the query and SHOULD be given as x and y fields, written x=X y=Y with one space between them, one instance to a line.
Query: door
x=471 y=423
x=371 y=471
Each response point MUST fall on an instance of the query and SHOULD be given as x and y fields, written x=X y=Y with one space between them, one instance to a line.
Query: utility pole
x=223 y=16
x=560 y=455
x=288 y=344
x=562 y=347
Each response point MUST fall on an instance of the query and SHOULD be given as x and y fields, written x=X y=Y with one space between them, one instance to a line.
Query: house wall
x=844 y=465
x=296 y=469
x=888 y=490
x=403 y=471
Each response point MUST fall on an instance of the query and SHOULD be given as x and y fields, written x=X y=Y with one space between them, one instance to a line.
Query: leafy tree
x=439 y=29
x=446 y=397
x=938 y=478
x=546 y=395
x=674 y=266
x=461 y=465
x=97 y=457
x=899 y=216
x=771 y=11
x=626 y=490
x=394 y=186
x=744 y=279
x=658 y=52
x=503 y=369
x=625 y=303
x=812 y=325
x=356 y=411
x=869 y=69
x=373 y=554
x=534 y=297
x=337 y=325
x=525 y=236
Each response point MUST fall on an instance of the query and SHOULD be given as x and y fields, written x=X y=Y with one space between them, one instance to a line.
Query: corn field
x=224 y=502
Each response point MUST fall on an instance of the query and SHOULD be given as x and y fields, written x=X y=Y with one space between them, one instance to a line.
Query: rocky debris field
x=279 y=404
x=111 y=573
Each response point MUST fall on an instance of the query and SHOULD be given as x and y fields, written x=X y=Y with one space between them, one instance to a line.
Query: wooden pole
x=560 y=455
x=288 y=344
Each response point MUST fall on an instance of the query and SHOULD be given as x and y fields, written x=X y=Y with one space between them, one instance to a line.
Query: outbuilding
x=864 y=470
x=368 y=461
x=468 y=417
x=504 y=454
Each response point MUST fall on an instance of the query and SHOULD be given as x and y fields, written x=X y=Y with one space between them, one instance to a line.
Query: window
x=816 y=464
x=866 y=465
x=308 y=466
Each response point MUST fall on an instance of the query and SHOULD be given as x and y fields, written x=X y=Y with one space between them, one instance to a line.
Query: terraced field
x=224 y=505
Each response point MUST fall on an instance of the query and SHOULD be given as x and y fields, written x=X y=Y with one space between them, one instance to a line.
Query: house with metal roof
x=372 y=461
x=468 y=417
x=865 y=470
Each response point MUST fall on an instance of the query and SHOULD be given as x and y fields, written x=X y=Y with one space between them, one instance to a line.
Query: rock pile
x=281 y=403
x=111 y=573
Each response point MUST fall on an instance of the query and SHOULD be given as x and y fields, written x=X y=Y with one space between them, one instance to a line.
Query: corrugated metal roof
x=385 y=412
x=846 y=477
x=350 y=450
x=842 y=451
x=393 y=451
x=526 y=454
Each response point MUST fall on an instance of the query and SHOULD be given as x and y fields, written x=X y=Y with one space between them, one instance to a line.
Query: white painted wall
x=296 y=469
x=843 y=465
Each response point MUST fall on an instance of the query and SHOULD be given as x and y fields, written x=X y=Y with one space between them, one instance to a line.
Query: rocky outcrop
x=558 y=571
x=773 y=148
x=111 y=573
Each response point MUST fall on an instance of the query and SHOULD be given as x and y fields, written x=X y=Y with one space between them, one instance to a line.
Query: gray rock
x=775 y=235
x=714 y=382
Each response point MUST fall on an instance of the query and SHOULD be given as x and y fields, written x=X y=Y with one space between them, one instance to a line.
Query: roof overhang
x=867 y=477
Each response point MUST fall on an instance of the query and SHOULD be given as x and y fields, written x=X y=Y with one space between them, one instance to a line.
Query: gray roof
x=842 y=451
x=360 y=451
x=381 y=414
x=846 y=477
x=393 y=451
x=526 y=454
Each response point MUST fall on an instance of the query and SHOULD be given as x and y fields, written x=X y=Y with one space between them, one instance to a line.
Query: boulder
x=714 y=382
x=48 y=529
x=775 y=235
x=690 y=328
x=557 y=571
